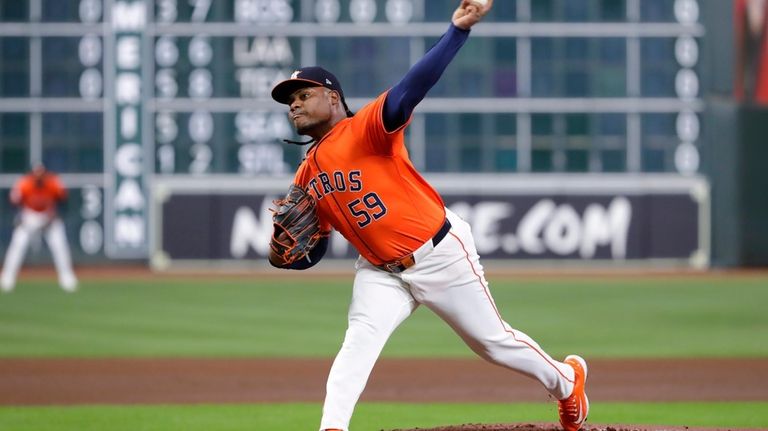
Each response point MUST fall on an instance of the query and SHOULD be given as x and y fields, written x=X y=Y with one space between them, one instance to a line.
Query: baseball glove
x=296 y=225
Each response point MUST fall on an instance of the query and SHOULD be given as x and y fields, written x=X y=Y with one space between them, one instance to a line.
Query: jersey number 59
x=367 y=209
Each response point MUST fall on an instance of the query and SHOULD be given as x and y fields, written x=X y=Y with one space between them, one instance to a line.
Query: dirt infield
x=186 y=381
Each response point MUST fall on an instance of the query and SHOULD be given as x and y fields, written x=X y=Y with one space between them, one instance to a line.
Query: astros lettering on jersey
x=346 y=173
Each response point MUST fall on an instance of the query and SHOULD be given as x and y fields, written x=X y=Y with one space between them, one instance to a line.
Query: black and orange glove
x=296 y=225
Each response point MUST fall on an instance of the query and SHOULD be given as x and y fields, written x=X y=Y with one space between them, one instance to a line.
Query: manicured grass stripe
x=368 y=416
x=306 y=317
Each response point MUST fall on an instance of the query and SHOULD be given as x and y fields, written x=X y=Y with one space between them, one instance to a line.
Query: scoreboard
x=118 y=93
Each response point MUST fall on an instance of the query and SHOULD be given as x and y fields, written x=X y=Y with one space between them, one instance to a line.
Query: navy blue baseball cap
x=312 y=76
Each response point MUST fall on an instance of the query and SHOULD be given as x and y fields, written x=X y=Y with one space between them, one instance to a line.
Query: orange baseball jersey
x=367 y=188
x=40 y=196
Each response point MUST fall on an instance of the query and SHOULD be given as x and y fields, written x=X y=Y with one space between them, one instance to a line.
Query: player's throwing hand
x=470 y=12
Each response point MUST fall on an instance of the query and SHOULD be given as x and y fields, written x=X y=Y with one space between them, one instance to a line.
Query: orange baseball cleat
x=574 y=409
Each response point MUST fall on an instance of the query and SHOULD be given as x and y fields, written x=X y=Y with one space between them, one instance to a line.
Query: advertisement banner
x=527 y=227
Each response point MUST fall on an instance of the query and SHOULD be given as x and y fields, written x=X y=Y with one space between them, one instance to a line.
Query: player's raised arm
x=403 y=97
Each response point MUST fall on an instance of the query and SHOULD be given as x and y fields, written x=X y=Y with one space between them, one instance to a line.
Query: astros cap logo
x=295 y=74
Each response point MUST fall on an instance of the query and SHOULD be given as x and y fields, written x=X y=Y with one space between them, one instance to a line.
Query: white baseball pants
x=449 y=280
x=55 y=235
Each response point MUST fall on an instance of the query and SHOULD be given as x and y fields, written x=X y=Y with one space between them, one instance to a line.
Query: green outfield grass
x=680 y=317
x=368 y=416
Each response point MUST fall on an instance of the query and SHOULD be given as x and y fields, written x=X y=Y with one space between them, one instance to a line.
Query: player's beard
x=305 y=125
x=304 y=128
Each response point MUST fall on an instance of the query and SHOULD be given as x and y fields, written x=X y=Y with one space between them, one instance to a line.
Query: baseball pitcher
x=357 y=179
x=37 y=195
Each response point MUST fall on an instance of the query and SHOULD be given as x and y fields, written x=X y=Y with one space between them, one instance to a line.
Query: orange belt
x=406 y=262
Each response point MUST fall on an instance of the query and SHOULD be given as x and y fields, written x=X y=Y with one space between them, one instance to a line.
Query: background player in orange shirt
x=413 y=250
x=37 y=194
